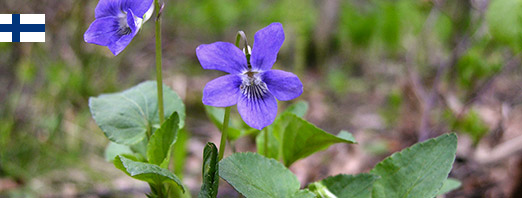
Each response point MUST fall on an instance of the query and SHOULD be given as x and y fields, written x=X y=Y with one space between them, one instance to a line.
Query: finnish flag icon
x=22 y=27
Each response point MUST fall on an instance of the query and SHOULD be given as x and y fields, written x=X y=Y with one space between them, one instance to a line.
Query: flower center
x=252 y=86
x=124 y=28
x=124 y=31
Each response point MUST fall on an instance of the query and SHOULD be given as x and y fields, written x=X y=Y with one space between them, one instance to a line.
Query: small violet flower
x=117 y=22
x=253 y=85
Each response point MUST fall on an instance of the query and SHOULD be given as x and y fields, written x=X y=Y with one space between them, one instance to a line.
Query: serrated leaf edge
x=434 y=140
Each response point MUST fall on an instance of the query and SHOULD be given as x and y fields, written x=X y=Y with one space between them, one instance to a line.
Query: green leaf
x=449 y=185
x=180 y=152
x=418 y=171
x=273 y=143
x=504 y=19
x=150 y=173
x=125 y=117
x=297 y=138
x=161 y=142
x=354 y=186
x=301 y=139
x=299 y=108
x=346 y=136
x=114 y=149
x=140 y=149
x=321 y=191
x=179 y=158
x=256 y=176
x=177 y=192
x=209 y=189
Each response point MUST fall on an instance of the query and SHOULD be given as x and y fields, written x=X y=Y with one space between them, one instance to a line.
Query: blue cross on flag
x=22 y=27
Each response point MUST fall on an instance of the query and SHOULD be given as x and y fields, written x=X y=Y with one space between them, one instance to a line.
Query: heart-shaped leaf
x=125 y=117
x=256 y=176
x=417 y=171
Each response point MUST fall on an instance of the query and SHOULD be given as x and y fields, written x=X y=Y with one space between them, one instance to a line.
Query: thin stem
x=159 y=80
x=266 y=143
x=241 y=35
x=149 y=130
x=224 y=130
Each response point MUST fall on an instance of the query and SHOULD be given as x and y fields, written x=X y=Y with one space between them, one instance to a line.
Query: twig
x=500 y=152
x=424 y=131
x=415 y=82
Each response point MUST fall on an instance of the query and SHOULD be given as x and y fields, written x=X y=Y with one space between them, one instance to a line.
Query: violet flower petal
x=258 y=112
x=102 y=31
x=222 y=91
x=139 y=7
x=283 y=85
x=117 y=7
x=108 y=8
x=222 y=56
x=267 y=43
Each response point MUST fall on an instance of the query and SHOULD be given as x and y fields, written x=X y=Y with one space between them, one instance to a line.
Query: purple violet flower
x=117 y=22
x=253 y=87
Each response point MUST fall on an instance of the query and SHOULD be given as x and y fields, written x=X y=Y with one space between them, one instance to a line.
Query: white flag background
x=25 y=33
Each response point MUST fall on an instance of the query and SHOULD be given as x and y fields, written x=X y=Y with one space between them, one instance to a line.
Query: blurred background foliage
x=393 y=72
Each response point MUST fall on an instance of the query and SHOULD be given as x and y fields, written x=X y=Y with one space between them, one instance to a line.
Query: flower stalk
x=224 y=134
x=159 y=78
x=266 y=143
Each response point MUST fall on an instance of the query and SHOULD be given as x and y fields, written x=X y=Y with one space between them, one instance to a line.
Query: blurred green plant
x=469 y=123
x=504 y=18
x=392 y=107
x=477 y=65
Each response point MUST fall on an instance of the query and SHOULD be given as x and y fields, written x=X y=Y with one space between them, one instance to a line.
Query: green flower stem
x=149 y=130
x=224 y=130
x=266 y=143
x=159 y=79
